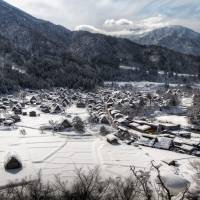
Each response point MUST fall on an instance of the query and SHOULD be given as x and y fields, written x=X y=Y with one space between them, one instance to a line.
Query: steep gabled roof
x=11 y=154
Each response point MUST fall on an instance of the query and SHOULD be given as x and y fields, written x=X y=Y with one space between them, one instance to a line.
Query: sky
x=114 y=16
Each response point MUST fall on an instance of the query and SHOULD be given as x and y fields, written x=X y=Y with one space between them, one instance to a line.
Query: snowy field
x=60 y=153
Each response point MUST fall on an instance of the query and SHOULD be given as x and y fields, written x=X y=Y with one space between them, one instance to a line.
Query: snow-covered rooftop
x=111 y=137
x=11 y=154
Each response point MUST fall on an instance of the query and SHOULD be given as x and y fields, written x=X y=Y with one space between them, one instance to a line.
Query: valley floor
x=61 y=152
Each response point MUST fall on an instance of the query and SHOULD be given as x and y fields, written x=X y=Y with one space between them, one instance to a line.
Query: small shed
x=169 y=161
x=12 y=160
x=111 y=138
x=32 y=114
x=24 y=113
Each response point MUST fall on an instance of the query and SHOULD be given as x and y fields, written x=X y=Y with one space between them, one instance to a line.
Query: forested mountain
x=38 y=54
x=177 y=38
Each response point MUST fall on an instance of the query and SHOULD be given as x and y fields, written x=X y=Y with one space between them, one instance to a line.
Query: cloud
x=112 y=25
x=124 y=25
x=89 y=28
x=120 y=22
x=153 y=22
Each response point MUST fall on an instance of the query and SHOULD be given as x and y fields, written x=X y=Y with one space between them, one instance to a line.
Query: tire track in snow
x=96 y=153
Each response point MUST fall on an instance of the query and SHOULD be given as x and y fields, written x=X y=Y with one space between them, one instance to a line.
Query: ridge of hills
x=38 y=54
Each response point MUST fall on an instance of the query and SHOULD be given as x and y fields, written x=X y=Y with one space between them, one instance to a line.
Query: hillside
x=51 y=55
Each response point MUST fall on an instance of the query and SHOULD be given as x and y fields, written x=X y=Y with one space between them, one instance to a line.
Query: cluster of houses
x=142 y=131
x=104 y=107
x=10 y=111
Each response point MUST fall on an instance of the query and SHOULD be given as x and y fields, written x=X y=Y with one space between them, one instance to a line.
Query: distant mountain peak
x=174 y=37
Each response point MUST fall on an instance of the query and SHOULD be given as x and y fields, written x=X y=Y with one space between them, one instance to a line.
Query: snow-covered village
x=99 y=100
x=116 y=127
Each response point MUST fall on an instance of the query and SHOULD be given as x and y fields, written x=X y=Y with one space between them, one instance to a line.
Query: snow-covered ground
x=174 y=119
x=60 y=153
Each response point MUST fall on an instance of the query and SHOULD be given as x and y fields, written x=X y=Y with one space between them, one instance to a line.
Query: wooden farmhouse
x=163 y=143
x=16 y=118
x=147 y=140
x=17 y=110
x=12 y=161
x=56 y=109
x=34 y=99
x=8 y=122
x=180 y=133
x=2 y=118
x=66 y=100
x=65 y=123
x=110 y=100
x=167 y=127
x=188 y=149
x=123 y=132
x=103 y=119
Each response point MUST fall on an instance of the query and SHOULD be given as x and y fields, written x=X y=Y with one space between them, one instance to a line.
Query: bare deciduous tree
x=90 y=186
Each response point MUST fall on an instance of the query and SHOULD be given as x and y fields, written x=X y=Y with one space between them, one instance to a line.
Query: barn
x=12 y=160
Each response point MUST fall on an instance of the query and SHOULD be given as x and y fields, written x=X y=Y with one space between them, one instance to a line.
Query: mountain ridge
x=174 y=37
x=54 y=56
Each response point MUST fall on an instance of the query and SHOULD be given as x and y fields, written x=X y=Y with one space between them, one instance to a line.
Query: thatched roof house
x=12 y=160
